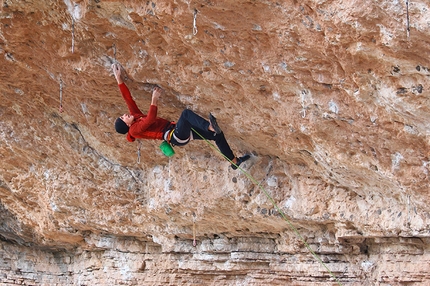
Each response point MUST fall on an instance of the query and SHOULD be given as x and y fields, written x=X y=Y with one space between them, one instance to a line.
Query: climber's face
x=128 y=119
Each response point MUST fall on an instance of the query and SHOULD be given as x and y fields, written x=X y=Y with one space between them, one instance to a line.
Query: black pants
x=189 y=120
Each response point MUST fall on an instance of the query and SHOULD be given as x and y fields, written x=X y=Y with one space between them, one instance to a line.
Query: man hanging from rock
x=149 y=126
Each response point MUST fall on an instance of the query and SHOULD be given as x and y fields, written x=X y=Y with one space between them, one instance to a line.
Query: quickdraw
x=194 y=23
x=138 y=151
x=61 y=96
x=73 y=34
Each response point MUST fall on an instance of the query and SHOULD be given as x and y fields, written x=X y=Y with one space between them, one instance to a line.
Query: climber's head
x=123 y=123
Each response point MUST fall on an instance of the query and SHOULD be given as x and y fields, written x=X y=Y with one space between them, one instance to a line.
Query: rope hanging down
x=276 y=207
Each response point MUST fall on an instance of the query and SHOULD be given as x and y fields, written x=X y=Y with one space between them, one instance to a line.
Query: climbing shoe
x=214 y=124
x=240 y=160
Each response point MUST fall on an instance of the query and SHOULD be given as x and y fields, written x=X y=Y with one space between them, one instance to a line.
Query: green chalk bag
x=167 y=149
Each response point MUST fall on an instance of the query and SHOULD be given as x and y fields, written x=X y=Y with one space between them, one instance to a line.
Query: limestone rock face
x=331 y=98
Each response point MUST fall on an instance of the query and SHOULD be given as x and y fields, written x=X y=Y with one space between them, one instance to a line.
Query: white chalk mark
x=74 y=9
x=76 y=13
x=333 y=107
x=395 y=161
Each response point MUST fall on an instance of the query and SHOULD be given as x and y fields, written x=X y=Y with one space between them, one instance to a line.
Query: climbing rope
x=275 y=205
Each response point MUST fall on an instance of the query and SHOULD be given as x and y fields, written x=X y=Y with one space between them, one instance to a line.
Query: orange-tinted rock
x=330 y=97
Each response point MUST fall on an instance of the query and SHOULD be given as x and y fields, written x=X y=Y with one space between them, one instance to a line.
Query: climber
x=149 y=126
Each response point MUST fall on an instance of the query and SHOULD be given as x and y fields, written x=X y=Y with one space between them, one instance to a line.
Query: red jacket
x=144 y=126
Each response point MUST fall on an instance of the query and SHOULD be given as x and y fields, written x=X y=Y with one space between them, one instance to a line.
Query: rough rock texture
x=330 y=97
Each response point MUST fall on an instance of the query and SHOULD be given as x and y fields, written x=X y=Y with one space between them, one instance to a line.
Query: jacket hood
x=130 y=138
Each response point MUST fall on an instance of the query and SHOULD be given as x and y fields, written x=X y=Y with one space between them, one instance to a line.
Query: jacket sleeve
x=131 y=104
x=141 y=125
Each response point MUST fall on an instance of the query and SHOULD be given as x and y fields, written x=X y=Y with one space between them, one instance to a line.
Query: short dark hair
x=120 y=126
